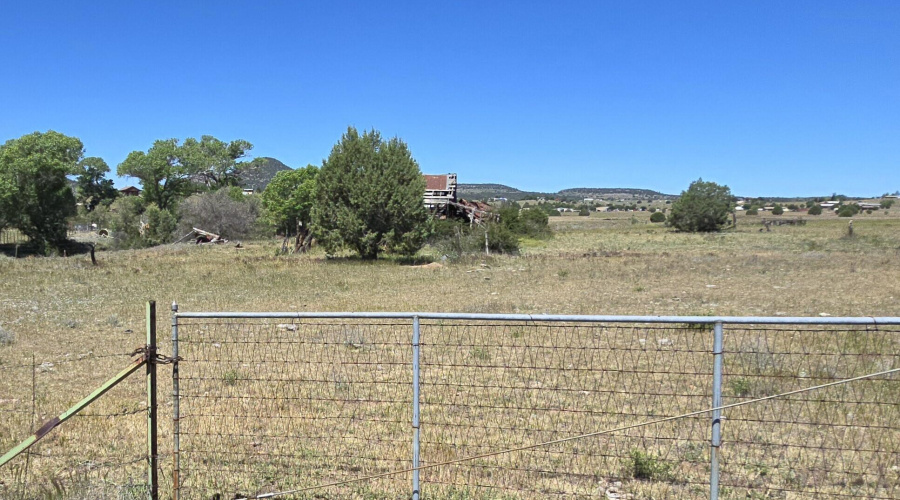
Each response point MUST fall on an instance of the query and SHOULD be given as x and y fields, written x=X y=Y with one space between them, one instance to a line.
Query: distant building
x=130 y=191
x=247 y=191
x=440 y=192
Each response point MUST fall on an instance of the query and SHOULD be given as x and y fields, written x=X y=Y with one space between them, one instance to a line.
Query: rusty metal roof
x=436 y=182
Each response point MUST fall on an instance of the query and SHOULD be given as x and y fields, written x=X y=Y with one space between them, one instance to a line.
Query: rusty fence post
x=152 y=456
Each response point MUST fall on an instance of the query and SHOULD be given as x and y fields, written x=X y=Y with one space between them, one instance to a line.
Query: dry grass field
x=80 y=322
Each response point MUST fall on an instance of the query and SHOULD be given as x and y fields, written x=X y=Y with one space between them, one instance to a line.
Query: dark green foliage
x=777 y=210
x=886 y=204
x=134 y=224
x=169 y=172
x=657 y=217
x=159 y=226
x=35 y=196
x=704 y=207
x=369 y=197
x=584 y=212
x=752 y=211
x=289 y=198
x=815 y=210
x=93 y=188
x=848 y=210
x=535 y=223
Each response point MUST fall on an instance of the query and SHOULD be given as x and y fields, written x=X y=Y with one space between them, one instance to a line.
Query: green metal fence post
x=152 y=469
x=66 y=415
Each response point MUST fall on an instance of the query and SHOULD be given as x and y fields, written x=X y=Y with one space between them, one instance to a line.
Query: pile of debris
x=202 y=237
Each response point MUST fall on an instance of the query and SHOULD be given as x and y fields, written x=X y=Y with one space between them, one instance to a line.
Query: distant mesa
x=488 y=191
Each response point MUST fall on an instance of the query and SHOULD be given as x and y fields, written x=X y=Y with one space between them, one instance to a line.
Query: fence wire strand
x=295 y=405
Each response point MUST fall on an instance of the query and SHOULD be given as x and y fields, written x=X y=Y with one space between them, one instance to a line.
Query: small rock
x=664 y=342
x=287 y=326
x=46 y=366
x=824 y=314
x=710 y=286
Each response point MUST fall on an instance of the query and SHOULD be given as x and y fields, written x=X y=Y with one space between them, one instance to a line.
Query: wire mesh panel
x=269 y=406
x=314 y=406
x=100 y=452
x=842 y=441
x=490 y=386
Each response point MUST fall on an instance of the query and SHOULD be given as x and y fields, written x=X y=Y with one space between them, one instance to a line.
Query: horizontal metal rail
x=710 y=320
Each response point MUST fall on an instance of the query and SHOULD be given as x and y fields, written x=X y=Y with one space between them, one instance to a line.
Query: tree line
x=366 y=196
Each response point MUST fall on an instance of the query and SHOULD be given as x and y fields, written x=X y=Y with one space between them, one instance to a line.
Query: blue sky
x=770 y=97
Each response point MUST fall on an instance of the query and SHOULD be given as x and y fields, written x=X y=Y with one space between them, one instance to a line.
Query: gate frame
x=717 y=322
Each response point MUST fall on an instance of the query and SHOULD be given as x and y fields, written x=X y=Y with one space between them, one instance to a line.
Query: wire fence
x=100 y=452
x=272 y=403
x=12 y=237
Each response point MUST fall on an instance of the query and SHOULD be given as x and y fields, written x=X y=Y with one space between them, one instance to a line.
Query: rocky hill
x=259 y=177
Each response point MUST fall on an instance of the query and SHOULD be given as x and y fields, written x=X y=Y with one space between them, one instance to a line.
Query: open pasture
x=85 y=320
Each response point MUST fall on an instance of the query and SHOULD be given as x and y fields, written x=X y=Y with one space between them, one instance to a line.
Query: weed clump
x=6 y=337
x=645 y=466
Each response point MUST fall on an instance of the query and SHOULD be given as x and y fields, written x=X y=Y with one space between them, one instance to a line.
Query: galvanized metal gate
x=487 y=405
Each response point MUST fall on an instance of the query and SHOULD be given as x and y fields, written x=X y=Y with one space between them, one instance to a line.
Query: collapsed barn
x=441 y=199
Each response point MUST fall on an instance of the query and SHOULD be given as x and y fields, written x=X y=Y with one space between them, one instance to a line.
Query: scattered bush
x=584 y=212
x=641 y=465
x=535 y=223
x=703 y=207
x=6 y=337
x=219 y=212
x=752 y=211
x=777 y=210
x=658 y=217
x=815 y=210
x=886 y=204
x=848 y=210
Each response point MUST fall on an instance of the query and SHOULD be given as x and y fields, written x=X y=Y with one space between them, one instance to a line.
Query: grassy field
x=84 y=320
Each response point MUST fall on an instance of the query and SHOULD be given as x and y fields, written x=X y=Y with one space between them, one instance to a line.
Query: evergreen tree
x=369 y=197
x=704 y=207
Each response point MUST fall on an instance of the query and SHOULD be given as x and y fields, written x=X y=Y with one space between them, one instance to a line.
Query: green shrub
x=886 y=204
x=777 y=210
x=815 y=210
x=641 y=465
x=535 y=223
x=584 y=212
x=658 y=217
x=703 y=207
x=848 y=210
x=752 y=211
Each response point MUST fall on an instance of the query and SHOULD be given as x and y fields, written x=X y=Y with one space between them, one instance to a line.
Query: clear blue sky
x=769 y=97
